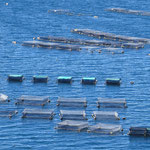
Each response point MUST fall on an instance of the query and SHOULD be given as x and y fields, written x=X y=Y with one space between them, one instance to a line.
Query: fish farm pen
x=139 y=131
x=72 y=102
x=37 y=79
x=72 y=125
x=129 y=11
x=8 y=113
x=72 y=115
x=110 y=36
x=18 y=78
x=51 y=45
x=32 y=100
x=111 y=103
x=91 y=42
x=105 y=115
x=105 y=128
x=38 y=113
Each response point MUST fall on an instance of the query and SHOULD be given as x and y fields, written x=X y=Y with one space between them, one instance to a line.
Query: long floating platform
x=90 y=42
x=129 y=11
x=110 y=36
x=51 y=45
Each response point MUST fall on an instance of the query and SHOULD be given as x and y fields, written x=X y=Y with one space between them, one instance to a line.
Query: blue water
x=23 y=20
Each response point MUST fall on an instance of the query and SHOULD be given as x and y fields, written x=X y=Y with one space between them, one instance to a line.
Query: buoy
x=131 y=82
x=14 y=42
x=6 y=4
x=95 y=16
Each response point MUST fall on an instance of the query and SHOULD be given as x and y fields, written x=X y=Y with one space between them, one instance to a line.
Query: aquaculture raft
x=64 y=79
x=90 y=80
x=129 y=11
x=18 y=78
x=72 y=115
x=32 y=100
x=113 y=81
x=51 y=45
x=139 y=131
x=105 y=115
x=105 y=128
x=8 y=113
x=38 y=113
x=72 y=102
x=91 y=42
x=72 y=125
x=40 y=79
x=110 y=36
x=112 y=102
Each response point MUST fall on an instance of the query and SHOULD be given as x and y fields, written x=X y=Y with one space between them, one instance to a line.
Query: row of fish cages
x=129 y=11
x=103 y=116
x=64 y=79
x=65 y=102
x=101 y=128
x=134 y=41
x=51 y=45
x=92 y=42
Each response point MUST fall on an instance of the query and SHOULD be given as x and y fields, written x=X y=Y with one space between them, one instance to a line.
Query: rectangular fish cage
x=40 y=79
x=72 y=125
x=33 y=100
x=72 y=115
x=90 y=80
x=111 y=102
x=72 y=102
x=139 y=131
x=8 y=113
x=105 y=115
x=18 y=78
x=64 y=79
x=4 y=98
x=38 y=113
x=113 y=81
x=108 y=129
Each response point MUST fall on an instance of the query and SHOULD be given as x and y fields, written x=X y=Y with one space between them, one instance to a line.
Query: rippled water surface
x=23 y=20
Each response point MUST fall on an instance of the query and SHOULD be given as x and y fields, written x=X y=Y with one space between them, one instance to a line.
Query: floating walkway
x=51 y=45
x=99 y=34
x=91 y=42
x=129 y=11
